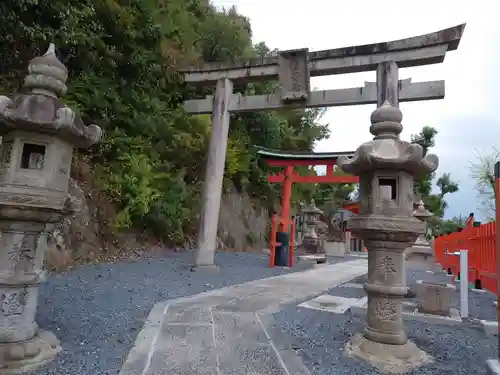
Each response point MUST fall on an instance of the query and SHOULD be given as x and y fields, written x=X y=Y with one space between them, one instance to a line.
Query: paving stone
x=248 y=358
x=252 y=303
x=234 y=327
x=243 y=347
x=188 y=315
x=184 y=350
x=219 y=332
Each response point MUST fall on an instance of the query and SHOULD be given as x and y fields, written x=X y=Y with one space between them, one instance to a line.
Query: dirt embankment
x=87 y=236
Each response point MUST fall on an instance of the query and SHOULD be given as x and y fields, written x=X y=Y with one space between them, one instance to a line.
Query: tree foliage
x=122 y=57
x=330 y=197
x=452 y=225
x=434 y=202
x=482 y=171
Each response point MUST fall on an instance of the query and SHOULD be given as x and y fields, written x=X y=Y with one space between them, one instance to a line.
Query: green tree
x=330 y=197
x=122 y=58
x=482 y=171
x=435 y=203
x=451 y=225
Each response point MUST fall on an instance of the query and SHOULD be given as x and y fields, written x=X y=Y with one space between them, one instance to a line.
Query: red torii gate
x=289 y=159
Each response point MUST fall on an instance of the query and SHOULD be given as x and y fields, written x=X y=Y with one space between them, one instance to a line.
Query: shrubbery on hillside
x=121 y=56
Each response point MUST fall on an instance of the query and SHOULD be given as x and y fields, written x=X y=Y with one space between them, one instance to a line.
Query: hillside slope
x=145 y=176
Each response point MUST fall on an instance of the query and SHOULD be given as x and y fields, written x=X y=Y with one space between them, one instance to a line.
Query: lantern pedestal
x=388 y=358
x=23 y=346
x=30 y=354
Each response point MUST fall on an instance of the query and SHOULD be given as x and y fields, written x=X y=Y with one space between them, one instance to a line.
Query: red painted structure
x=352 y=206
x=480 y=243
x=496 y=256
x=287 y=160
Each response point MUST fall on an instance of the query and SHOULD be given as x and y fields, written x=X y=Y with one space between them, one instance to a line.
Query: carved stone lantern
x=39 y=134
x=386 y=167
x=311 y=214
x=421 y=247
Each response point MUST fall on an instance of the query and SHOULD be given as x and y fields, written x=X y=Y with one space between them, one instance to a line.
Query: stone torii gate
x=293 y=70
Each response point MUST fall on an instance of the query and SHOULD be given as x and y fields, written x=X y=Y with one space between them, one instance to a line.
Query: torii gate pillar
x=285 y=199
x=214 y=176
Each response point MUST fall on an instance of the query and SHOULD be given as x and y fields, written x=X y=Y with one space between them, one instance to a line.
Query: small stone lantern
x=38 y=136
x=386 y=167
x=311 y=219
x=421 y=247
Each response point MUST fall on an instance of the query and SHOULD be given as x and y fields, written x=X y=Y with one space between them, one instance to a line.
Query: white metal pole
x=464 y=284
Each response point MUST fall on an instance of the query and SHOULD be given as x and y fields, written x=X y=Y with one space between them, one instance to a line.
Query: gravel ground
x=480 y=303
x=97 y=311
x=319 y=338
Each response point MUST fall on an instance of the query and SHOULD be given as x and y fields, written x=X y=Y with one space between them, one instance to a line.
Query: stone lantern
x=311 y=219
x=421 y=247
x=386 y=167
x=39 y=134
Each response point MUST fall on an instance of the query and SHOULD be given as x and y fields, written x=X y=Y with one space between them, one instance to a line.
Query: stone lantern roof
x=39 y=108
x=421 y=212
x=311 y=209
x=387 y=150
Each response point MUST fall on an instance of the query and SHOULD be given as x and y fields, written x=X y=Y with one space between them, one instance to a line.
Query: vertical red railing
x=496 y=252
x=481 y=244
x=272 y=242
x=292 y=242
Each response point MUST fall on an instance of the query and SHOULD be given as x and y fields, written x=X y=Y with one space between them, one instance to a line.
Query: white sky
x=468 y=119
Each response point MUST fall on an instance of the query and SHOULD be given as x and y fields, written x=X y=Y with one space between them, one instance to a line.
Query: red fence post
x=476 y=256
x=497 y=238
x=292 y=242
x=484 y=258
x=272 y=249
x=488 y=264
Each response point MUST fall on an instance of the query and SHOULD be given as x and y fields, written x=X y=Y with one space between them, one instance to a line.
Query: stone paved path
x=226 y=331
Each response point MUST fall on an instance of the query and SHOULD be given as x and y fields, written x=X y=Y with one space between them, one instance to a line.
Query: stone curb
x=234 y=288
x=139 y=357
x=493 y=367
x=489 y=327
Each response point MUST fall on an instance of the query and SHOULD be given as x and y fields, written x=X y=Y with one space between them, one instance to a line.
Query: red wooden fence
x=480 y=243
x=483 y=245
